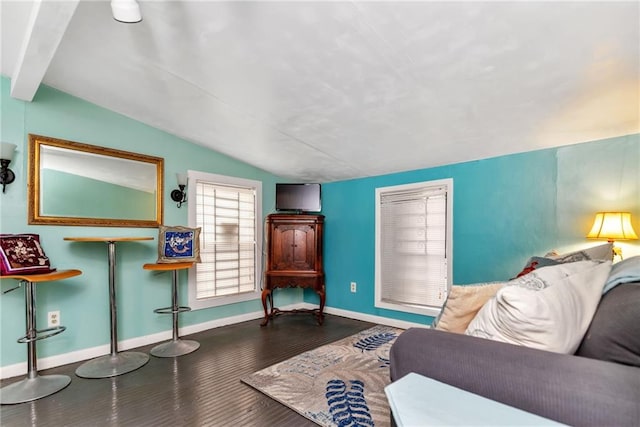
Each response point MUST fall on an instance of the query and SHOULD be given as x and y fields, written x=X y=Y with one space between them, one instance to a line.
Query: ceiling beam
x=47 y=24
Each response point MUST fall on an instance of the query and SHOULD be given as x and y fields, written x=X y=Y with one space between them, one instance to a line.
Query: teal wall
x=83 y=300
x=506 y=209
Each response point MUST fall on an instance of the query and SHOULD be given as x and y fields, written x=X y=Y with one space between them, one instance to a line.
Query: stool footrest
x=49 y=332
x=170 y=310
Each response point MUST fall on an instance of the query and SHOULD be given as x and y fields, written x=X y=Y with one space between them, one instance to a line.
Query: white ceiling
x=333 y=90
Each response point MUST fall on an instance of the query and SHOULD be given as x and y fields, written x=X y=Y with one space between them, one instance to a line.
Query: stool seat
x=177 y=346
x=44 y=277
x=35 y=387
x=168 y=266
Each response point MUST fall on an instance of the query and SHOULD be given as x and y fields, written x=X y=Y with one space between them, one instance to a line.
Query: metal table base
x=115 y=363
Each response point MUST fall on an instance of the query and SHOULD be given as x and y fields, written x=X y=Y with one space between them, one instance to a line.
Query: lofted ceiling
x=332 y=90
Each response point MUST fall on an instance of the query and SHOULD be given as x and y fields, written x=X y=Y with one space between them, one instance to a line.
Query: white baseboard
x=374 y=319
x=17 y=369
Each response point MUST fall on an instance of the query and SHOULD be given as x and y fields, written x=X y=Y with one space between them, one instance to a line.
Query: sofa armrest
x=566 y=388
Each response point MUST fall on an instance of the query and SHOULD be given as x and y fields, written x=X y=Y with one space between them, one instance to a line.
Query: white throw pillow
x=551 y=311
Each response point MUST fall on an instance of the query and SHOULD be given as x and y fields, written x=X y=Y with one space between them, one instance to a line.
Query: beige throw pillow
x=463 y=303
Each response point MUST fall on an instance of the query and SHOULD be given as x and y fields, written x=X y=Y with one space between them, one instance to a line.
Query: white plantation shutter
x=229 y=239
x=413 y=246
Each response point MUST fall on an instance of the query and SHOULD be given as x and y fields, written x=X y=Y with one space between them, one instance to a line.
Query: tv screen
x=298 y=197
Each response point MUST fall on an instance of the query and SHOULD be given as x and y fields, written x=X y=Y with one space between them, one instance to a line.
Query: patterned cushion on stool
x=22 y=254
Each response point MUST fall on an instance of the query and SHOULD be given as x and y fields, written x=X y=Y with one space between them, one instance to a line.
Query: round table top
x=107 y=239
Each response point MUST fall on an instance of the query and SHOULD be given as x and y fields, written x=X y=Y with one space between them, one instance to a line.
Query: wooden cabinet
x=294 y=259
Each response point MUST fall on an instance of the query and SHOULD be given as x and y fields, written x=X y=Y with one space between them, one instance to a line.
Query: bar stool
x=35 y=387
x=177 y=346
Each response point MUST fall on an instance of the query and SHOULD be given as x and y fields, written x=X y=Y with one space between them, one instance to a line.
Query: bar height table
x=116 y=363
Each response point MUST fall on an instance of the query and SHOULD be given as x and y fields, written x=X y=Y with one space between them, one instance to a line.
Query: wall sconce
x=180 y=195
x=613 y=226
x=6 y=155
x=127 y=11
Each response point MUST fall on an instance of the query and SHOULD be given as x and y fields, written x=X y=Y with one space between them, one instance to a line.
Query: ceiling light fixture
x=127 y=11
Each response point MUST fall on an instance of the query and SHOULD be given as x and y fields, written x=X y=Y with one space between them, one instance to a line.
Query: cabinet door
x=294 y=247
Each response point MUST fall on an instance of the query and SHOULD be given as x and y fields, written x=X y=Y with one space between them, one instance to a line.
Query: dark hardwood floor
x=199 y=389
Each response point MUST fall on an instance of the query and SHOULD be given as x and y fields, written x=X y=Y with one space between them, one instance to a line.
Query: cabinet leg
x=266 y=294
x=321 y=293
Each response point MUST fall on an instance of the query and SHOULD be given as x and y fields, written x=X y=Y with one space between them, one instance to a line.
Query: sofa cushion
x=613 y=334
x=550 y=311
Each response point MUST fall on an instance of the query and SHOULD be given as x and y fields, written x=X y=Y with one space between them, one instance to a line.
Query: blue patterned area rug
x=339 y=384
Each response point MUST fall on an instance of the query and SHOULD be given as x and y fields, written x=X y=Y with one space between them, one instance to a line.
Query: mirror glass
x=72 y=183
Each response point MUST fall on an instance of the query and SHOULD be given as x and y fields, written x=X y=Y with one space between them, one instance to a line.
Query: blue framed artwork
x=178 y=244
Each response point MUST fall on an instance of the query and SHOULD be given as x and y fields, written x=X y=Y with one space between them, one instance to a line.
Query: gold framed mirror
x=72 y=183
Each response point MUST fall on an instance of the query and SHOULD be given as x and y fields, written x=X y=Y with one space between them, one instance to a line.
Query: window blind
x=226 y=215
x=413 y=246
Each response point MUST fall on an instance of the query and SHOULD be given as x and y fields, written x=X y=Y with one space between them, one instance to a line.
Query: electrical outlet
x=53 y=319
x=353 y=287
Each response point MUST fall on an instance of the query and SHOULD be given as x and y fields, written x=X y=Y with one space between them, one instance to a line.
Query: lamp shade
x=6 y=150
x=182 y=178
x=612 y=226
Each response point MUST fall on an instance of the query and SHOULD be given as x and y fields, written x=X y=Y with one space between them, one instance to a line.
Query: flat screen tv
x=298 y=197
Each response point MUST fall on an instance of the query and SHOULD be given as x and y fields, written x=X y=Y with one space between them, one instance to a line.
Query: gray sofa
x=597 y=386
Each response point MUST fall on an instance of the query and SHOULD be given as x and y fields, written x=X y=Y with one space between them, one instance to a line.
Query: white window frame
x=217 y=301
x=429 y=310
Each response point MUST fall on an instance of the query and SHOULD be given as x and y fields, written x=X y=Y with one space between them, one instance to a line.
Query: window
x=229 y=212
x=414 y=246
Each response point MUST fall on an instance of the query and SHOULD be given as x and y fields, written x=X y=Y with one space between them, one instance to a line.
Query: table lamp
x=613 y=226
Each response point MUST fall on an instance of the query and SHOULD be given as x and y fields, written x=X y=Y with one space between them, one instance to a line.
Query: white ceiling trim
x=47 y=24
